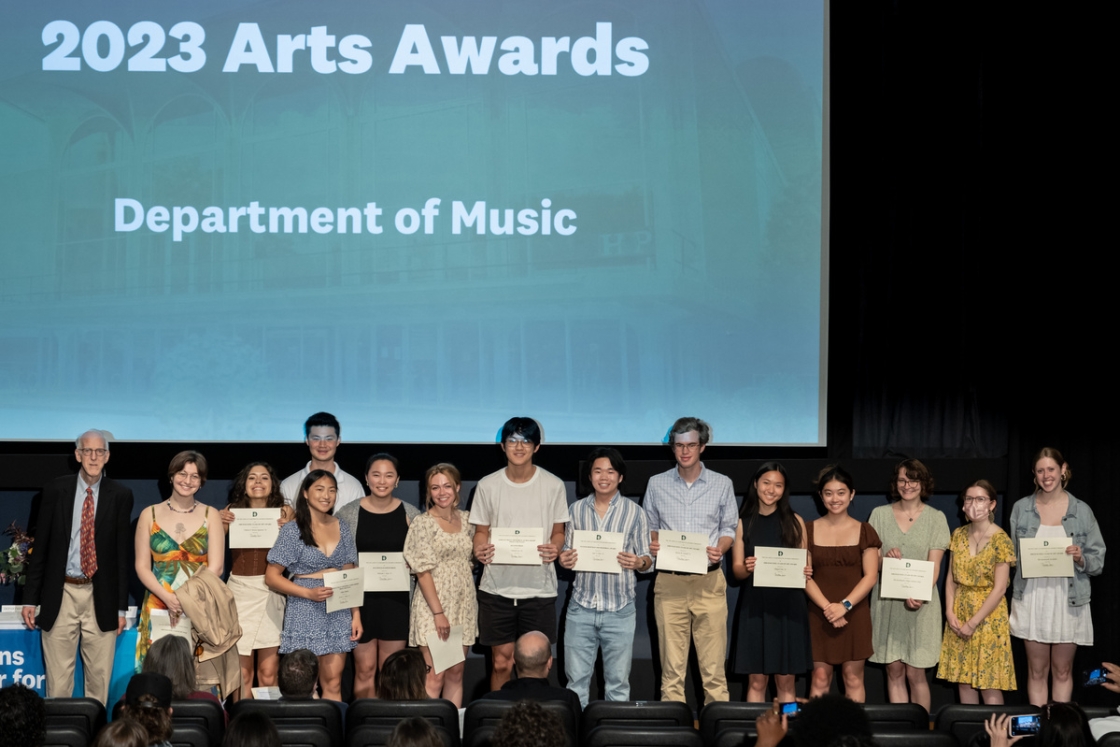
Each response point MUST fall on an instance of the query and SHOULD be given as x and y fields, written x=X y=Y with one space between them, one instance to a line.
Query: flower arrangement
x=13 y=561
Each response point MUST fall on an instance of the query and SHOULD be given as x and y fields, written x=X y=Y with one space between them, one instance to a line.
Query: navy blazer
x=46 y=570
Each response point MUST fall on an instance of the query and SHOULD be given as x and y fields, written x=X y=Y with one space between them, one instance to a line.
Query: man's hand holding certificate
x=254 y=527
x=516 y=545
x=347 y=589
x=683 y=552
x=1045 y=557
x=904 y=578
x=385 y=571
x=597 y=552
x=782 y=567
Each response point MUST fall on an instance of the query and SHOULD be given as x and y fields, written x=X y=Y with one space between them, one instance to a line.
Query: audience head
x=148 y=701
x=533 y=655
x=912 y=469
x=825 y=719
x=171 y=656
x=415 y=732
x=23 y=717
x=453 y=481
x=122 y=732
x=529 y=724
x=402 y=676
x=252 y=475
x=299 y=672
x=251 y=729
x=1064 y=725
x=522 y=428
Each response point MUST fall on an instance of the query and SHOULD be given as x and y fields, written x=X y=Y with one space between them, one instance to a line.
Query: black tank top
x=381 y=532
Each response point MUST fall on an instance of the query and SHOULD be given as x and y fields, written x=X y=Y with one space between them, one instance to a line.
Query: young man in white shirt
x=322 y=432
x=517 y=599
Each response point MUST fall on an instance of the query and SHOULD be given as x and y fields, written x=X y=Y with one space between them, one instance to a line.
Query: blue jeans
x=586 y=631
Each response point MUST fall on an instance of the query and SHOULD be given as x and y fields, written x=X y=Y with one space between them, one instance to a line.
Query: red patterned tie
x=88 y=553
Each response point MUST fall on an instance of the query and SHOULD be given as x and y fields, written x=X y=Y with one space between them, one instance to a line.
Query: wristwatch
x=847 y=604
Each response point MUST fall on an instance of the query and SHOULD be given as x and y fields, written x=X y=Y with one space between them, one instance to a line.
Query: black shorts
x=502 y=620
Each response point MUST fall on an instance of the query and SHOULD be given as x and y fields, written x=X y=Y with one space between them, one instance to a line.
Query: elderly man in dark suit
x=78 y=571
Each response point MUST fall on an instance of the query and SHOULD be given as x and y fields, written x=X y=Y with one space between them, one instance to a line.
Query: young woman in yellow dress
x=976 y=647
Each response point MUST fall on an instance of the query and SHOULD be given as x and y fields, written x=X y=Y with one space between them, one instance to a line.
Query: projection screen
x=424 y=217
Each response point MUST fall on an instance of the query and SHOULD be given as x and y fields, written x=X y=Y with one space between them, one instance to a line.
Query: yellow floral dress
x=984 y=660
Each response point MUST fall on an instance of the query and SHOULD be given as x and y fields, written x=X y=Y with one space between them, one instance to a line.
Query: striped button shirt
x=608 y=592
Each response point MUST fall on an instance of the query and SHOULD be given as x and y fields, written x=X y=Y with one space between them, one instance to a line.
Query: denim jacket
x=1081 y=525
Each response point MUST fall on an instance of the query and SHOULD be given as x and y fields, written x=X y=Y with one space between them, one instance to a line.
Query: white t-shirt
x=349 y=489
x=541 y=502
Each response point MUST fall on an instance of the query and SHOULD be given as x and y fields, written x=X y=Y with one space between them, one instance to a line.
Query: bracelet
x=437 y=613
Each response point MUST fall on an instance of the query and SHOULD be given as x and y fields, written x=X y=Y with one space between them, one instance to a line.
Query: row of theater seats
x=368 y=723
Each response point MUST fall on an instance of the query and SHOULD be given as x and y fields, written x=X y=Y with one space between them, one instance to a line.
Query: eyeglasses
x=687 y=446
x=99 y=453
x=188 y=476
x=907 y=482
x=970 y=499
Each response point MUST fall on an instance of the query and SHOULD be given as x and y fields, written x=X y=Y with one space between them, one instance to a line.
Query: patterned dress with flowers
x=984 y=660
x=173 y=564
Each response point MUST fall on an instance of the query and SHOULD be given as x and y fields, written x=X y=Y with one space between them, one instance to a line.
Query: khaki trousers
x=76 y=622
x=691 y=606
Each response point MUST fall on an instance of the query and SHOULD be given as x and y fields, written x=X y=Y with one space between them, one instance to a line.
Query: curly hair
x=151 y=716
x=23 y=717
x=915 y=470
x=529 y=724
x=238 y=498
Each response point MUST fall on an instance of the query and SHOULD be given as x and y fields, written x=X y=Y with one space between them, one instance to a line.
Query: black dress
x=773 y=634
x=384 y=613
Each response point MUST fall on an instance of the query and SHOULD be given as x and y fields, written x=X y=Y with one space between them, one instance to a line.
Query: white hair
x=103 y=435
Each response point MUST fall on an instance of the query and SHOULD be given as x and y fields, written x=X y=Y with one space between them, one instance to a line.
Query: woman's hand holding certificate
x=906 y=579
x=254 y=527
x=346 y=587
x=1046 y=557
x=782 y=567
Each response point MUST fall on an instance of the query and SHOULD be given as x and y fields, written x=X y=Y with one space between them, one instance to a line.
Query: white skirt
x=260 y=612
x=1044 y=613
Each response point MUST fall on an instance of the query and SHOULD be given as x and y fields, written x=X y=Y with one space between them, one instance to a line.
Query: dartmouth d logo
x=781 y=553
x=254 y=514
x=598 y=536
x=684 y=537
x=907 y=565
x=384 y=558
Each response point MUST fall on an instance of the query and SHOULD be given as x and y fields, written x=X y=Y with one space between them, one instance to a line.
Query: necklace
x=978 y=540
x=182 y=511
x=907 y=513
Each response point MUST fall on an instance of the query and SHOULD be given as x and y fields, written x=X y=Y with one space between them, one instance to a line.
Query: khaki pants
x=76 y=622
x=690 y=606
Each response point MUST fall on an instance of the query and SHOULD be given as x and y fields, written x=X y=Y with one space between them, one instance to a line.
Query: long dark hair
x=238 y=498
x=787 y=519
x=303 y=511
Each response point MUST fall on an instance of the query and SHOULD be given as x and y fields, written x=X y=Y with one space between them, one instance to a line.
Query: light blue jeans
x=586 y=631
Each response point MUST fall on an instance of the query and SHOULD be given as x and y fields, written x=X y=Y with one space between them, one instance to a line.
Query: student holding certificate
x=259 y=609
x=1051 y=614
x=976 y=649
x=314 y=544
x=438 y=548
x=379 y=523
x=907 y=632
x=845 y=559
x=602 y=611
x=773 y=636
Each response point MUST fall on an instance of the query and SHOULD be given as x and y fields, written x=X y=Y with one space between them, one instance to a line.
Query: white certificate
x=446 y=654
x=597 y=551
x=906 y=579
x=1045 y=557
x=385 y=571
x=347 y=586
x=254 y=527
x=266 y=693
x=161 y=626
x=684 y=552
x=783 y=567
x=516 y=545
